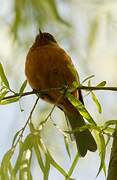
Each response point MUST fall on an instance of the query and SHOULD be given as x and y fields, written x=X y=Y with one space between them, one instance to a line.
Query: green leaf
x=96 y=102
x=27 y=145
x=102 y=152
x=74 y=163
x=108 y=139
x=75 y=84
x=39 y=157
x=57 y=166
x=87 y=78
x=89 y=83
x=23 y=87
x=110 y=122
x=41 y=144
x=15 y=137
x=10 y=172
x=32 y=128
x=80 y=107
x=24 y=169
x=3 y=77
x=102 y=84
x=109 y=130
x=7 y=158
x=5 y=165
x=3 y=94
x=67 y=146
x=47 y=168
x=30 y=177
x=8 y=101
x=18 y=161
x=29 y=142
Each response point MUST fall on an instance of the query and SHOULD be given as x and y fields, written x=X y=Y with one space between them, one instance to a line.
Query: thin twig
x=49 y=115
x=27 y=122
x=97 y=88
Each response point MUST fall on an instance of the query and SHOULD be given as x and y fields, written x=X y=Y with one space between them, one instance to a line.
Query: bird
x=48 y=66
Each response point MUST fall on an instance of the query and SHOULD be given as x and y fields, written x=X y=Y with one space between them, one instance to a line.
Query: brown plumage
x=49 y=66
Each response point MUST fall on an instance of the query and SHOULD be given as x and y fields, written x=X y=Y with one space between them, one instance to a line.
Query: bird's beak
x=40 y=32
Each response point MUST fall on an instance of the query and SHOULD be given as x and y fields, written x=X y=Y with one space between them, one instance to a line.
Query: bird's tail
x=84 y=139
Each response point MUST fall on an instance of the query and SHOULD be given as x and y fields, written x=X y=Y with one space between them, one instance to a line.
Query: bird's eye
x=49 y=37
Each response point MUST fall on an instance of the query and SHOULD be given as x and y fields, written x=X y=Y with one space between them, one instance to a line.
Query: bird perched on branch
x=49 y=66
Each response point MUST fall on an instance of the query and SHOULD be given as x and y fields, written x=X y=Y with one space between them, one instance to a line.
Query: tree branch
x=42 y=92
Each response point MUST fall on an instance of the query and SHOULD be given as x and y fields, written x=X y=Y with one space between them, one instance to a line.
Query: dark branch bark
x=61 y=88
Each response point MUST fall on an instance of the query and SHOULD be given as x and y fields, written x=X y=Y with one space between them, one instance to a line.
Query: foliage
x=33 y=143
x=34 y=13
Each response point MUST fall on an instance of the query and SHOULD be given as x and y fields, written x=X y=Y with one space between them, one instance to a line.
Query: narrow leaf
x=87 y=78
x=67 y=146
x=109 y=130
x=57 y=166
x=10 y=172
x=24 y=170
x=5 y=165
x=9 y=101
x=7 y=157
x=29 y=142
x=18 y=161
x=75 y=84
x=110 y=122
x=89 y=83
x=47 y=168
x=102 y=151
x=96 y=102
x=39 y=157
x=15 y=137
x=74 y=163
x=27 y=145
x=3 y=94
x=3 y=76
x=102 y=84
x=108 y=139
x=80 y=107
x=23 y=87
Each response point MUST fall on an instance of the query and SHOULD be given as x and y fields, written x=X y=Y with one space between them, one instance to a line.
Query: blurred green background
x=87 y=30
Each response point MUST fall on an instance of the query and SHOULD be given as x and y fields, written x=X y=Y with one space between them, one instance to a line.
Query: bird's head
x=44 y=38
